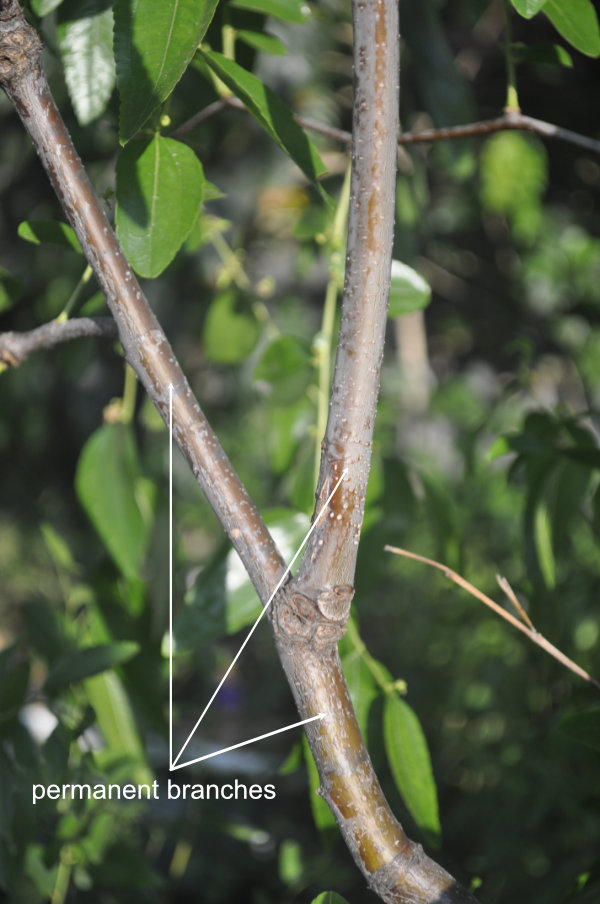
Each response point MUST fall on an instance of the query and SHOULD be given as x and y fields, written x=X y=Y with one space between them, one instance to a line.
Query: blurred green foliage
x=486 y=457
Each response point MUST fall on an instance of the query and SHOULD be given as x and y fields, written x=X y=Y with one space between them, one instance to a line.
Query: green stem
x=512 y=97
x=63 y=878
x=75 y=295
x=323 y=345
x=230 y=260
x=129 y=395
x=376 y=669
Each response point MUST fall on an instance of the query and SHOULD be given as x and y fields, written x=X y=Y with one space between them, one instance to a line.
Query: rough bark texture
x=310 y=614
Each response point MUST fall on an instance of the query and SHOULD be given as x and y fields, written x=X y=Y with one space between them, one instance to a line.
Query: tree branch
x=309 y=617
x=16 y=347
x=509 y=121
x=144 y=342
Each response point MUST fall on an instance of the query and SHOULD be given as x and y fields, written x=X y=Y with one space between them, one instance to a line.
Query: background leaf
x=583 y=727
x=159 y=193
x=105 y=482
x=408 y=756
x=80 y=664
x=154 y=42
x=85 y=37
x=230 y=329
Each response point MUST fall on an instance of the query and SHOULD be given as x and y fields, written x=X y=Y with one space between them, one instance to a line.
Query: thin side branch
x=15 y=348
x=509 y=121
x=525 y=628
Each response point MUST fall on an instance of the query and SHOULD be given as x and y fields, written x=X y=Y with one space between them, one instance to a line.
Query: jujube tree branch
x=309 y=615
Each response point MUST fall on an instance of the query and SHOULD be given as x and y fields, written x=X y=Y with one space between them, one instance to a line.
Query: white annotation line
x=261 y=737
x=170 y=572
x=173 y=763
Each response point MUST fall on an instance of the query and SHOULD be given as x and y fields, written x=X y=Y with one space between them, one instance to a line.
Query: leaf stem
x=512 y=97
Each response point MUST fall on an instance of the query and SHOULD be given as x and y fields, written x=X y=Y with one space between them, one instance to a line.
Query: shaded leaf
x=230 y=329
x=552 y=54
x=285 y=366
x=583 y=727
x=408 y=290
x=10 y=289
x=272 y=114
x=154 y=42
x=286 y=10
x=105 y=482
x=85 y=38
x=322 y=815
x=159 y=193
x=261 y=41
x=408 y=756
x=14 y=679
x=40 y=232
x=577 y=22
x=83 y=663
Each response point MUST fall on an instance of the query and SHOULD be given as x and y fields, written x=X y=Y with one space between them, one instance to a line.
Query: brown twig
x=526 y=629
x=509 y=121
x=16 y=347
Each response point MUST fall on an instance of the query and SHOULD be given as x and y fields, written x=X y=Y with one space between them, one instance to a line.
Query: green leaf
x=113 y=711
x=272 y=114
x=43 y=7
x=543 y=544
x=10 y=289
x=107 y=472
x=528 y=8
x=285 y=366
x=514 y=174
x=286 y=10
x=85 y=38
x=583 y=727
x=329 y=897
x=408 y=756
x=83 y=663
x=230 y=329
x=577 y=22
x=553 y=54
x=260 y=41
x=408 y=290
x=159 y=192
x=41 y=232
x=154 y=42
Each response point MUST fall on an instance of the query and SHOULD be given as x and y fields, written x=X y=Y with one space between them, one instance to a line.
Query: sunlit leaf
x=408 y=290
x=85 y=37
x=154 y=42
x=107 y=472
x=272 y=114
x=80 y=664
x=528 y=8
x=577 y=22
x=543 y=544
x=41 y=232
x=159 y=193
x=408 y=756
x=329 y=897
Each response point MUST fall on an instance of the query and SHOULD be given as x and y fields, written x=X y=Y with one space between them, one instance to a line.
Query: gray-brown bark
x=309 y=615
